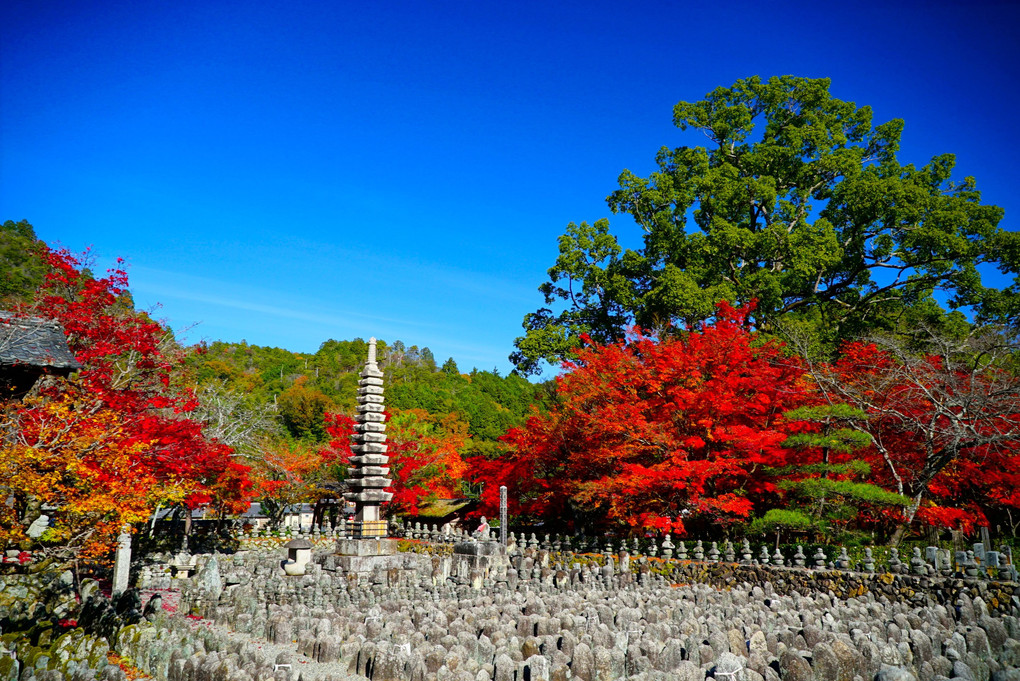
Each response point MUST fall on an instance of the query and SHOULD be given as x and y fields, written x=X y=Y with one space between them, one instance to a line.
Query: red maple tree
x=656 y=434
x=425 y=458
x=140 y=438
x=945 y=422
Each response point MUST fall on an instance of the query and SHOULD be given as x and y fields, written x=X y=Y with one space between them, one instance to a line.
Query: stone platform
x=483 y=555
x=378 y=546
x=369 y=555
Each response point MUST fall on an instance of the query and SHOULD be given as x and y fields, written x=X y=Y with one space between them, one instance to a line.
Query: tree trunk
x=897 y=536
x=152 y=524
x=910 y=512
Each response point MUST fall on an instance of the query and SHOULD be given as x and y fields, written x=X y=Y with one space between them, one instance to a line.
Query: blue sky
x=286 y=173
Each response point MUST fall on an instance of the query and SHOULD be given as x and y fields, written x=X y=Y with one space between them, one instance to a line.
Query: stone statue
x=483 y=529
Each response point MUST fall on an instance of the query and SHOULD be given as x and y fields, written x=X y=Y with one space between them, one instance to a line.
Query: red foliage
x=945 y=432
x=425 y=460
x=954 y=518
x=654 y=434
x=340 y=429
x=126 y=380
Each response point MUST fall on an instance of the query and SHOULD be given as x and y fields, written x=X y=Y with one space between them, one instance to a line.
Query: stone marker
x=820 y=558
x=299 y=554
x=502 y=515
x=122 y=563
x=970 y=568
x=992 y=564
x=1006 y=562
x=961 y=560
x=895 y=565
x=945 y=562
x=843 y=559
x=917 y=564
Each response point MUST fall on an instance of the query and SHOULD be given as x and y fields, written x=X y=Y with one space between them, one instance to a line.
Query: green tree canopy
x=798 y=202
x=22 y=265
x=303 y=410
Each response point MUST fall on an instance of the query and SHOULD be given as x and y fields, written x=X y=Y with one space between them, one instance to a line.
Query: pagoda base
x=365 y=529
x=376 y=546
x=368 y=555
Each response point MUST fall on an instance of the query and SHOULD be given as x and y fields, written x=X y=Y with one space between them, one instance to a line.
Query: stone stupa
x=367 y=474
x=367 y=536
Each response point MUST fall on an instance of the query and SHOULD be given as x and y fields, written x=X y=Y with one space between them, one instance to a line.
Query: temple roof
x=34 y=341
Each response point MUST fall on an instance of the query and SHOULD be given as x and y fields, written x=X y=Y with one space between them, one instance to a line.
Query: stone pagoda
x=367 y=475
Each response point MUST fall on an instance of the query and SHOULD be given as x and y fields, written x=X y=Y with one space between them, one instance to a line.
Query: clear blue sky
x=286 y=173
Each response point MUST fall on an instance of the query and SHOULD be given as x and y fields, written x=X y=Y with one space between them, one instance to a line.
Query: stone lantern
x=299 y=554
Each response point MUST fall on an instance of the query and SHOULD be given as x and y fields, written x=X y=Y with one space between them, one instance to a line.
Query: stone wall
x=927 y=588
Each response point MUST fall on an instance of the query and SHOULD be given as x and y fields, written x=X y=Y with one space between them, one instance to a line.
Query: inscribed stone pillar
x=502 y=515
x=122 y=563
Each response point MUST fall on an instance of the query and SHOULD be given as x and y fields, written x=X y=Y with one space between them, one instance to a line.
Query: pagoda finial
x=371 y=350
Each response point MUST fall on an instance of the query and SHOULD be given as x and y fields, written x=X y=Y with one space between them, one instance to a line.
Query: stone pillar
x=122 y=563
x=367 y=478
x=502 y=515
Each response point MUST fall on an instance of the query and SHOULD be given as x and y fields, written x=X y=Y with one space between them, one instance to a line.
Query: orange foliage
x=101 y=450
x=74 y=457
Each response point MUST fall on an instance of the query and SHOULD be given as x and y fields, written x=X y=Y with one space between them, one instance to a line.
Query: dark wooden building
x=31 y=347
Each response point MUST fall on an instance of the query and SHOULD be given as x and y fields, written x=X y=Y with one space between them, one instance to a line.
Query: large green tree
x=798 y=202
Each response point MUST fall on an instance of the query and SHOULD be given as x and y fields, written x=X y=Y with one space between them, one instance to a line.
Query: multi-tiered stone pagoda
x=367 y=474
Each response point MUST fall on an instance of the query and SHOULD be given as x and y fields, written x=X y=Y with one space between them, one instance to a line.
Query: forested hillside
x=21 y=263
x=303 y=386
x=274 y=407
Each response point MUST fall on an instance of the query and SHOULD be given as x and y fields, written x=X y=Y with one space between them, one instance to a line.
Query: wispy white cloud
x=152 y=285
x=159 y=283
